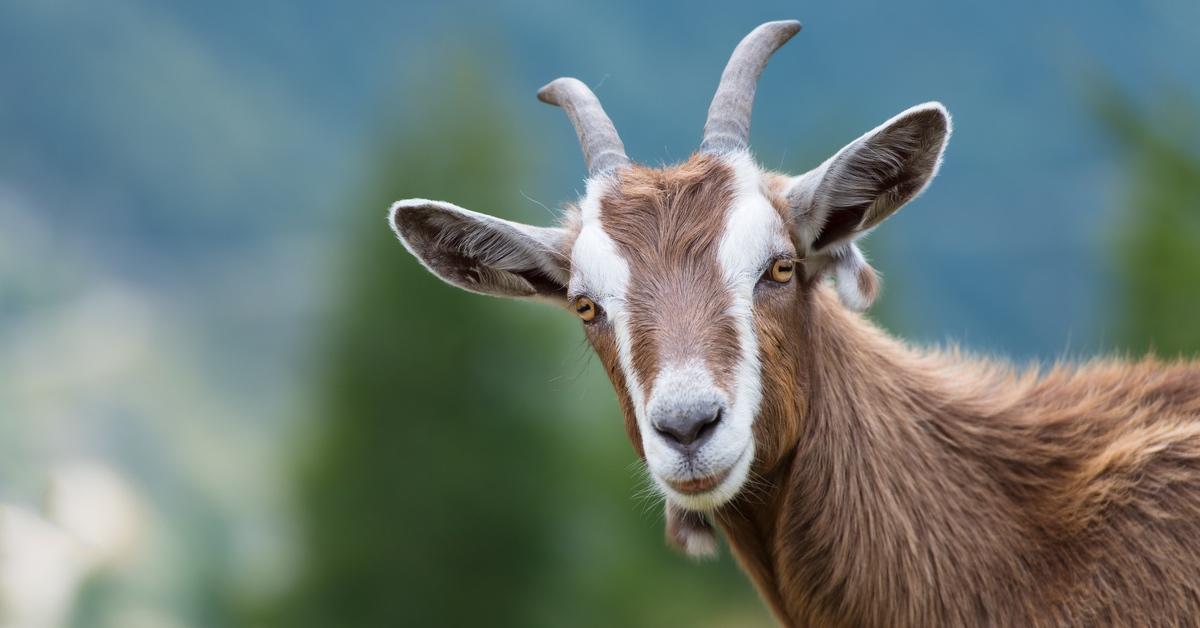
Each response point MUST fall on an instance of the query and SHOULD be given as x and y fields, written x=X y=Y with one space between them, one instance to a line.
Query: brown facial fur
x=605 y=345
x=667 y=224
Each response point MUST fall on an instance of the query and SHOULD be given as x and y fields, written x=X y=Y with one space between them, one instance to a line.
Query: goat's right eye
x=782 y=270
x=586 y=309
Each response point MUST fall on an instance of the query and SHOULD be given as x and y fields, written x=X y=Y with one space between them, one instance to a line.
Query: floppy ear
x=852 y=192
x=483 y=254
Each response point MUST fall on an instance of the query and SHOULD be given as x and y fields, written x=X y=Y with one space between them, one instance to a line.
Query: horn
x=602 y=147
x=728 y=125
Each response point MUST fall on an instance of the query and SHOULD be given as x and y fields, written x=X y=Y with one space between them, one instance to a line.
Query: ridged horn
x=602 y=148
x=728 y=125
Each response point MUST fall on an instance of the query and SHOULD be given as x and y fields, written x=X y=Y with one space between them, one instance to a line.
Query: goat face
x=667 y=266
x=691 y=279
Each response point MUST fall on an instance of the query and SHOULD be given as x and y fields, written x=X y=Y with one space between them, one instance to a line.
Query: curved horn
x=602 y=147
x=728 y=125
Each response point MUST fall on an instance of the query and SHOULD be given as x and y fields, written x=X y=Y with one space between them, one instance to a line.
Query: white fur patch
x=680 y=385
x=700 y=543
x=690 y=532
x=753 y=230
x=846 y=270
x=598 y=268
x=600 y=272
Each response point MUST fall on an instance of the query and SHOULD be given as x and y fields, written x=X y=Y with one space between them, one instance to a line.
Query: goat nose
x=687 y=428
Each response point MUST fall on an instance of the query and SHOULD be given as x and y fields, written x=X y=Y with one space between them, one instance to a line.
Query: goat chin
x=691 y=533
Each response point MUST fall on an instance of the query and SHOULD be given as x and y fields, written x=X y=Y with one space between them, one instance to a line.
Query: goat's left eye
x=586 y=309
x=782 y=270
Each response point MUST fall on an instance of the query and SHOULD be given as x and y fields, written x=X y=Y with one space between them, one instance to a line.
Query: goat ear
x=852 y=192
x=483 y=254
x=869 y=179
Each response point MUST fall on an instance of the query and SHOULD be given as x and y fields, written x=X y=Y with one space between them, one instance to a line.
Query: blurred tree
x=1158 y=242
x=449 y=482
x=424 y=497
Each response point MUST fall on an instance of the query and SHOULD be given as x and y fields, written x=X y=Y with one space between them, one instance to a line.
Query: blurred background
x=228 y=397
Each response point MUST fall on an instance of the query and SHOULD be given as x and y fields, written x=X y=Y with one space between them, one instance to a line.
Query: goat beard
x=691 y=533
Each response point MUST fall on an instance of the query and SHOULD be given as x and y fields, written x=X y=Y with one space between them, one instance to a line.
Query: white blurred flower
x=94 y=520
x=144 y=618
x=41 y=567
x=97 y=507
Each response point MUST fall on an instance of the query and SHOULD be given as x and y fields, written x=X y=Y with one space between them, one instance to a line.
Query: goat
x=858 y=481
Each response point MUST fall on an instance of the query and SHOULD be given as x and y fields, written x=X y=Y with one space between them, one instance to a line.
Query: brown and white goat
x=860 y=482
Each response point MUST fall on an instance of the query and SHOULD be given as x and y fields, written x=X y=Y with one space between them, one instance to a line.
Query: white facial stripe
x=599 y=270
x=603 y=274
x=753 y=229
x=753 y=232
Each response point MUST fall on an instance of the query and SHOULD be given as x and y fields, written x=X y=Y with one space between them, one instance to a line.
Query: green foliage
x=1158 y=244
x=463 y=471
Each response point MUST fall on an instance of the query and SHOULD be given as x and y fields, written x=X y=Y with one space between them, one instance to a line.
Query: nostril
x=685 y=429
x=706 y=428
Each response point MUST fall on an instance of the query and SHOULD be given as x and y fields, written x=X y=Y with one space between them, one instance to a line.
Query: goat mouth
x=696 y=486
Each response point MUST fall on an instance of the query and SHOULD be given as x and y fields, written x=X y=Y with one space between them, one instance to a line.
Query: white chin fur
x=718 y=496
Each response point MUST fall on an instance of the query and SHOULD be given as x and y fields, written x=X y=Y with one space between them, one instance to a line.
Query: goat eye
x=586 y=309
x=782 y=270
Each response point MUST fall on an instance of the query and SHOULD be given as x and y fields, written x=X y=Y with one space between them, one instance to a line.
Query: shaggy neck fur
x=927 y=489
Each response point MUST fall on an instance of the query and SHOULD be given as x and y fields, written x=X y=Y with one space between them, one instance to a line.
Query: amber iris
x=782 y=270
x=585 y=308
